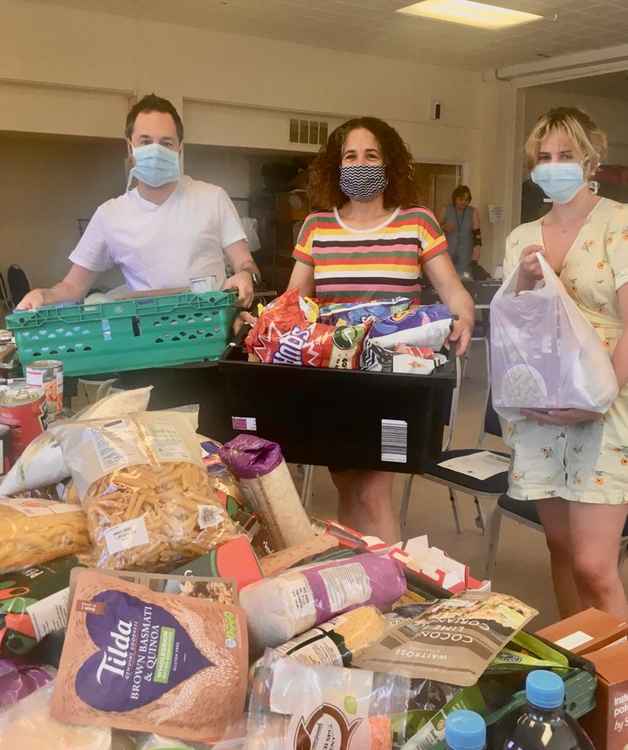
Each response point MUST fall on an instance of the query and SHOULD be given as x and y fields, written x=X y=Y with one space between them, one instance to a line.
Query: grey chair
x=523 y=512
x=492 y=488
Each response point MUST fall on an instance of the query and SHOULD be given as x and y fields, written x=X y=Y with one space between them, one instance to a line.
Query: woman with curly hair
x=370 y=240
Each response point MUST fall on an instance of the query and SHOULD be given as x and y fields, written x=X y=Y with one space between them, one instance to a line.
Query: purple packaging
x=249 y=456
x=415 y=318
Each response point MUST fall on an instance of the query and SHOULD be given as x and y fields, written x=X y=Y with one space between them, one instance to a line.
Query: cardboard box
x=607 y=725
x=587 y=631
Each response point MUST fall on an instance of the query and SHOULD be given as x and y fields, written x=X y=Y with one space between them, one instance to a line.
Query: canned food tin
x=204 y=284
x=48 y=374
x=24 y=409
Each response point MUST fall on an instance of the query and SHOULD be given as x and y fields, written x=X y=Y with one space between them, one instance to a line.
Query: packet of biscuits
x=453 y=641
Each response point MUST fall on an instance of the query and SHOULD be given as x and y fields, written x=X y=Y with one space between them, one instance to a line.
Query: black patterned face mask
x=363 y=182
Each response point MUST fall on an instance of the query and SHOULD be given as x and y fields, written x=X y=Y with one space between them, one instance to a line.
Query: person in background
x=574 y=463
x=372 y=241
x=461 y=222
x=166 y=231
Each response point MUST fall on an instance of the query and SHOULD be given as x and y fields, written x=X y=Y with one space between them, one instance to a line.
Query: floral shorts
x=584 y=462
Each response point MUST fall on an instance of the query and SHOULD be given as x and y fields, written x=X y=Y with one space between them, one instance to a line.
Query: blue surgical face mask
x=560 y=181
x=155 y=165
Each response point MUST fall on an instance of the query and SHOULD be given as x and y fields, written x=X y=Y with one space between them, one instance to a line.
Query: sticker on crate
x=244 y=424
x=395 y=441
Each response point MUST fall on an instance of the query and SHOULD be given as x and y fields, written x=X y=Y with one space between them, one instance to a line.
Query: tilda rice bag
x=143 y=661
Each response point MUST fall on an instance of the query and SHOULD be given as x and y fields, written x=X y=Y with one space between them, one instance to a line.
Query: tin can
x=24 y=409
x=48 y=374
x=204 y=284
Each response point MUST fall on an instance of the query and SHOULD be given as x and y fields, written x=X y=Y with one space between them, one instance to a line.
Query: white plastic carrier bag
x=544 y=353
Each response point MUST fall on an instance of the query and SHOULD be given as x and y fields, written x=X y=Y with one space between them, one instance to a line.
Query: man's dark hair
x=153 y=103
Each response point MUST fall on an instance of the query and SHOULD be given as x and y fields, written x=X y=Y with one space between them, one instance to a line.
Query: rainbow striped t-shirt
x=379 y=263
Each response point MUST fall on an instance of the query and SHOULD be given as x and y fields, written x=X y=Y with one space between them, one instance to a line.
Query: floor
x=522 y=561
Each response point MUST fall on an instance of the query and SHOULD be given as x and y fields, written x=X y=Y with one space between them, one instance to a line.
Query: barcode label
x=395 y=441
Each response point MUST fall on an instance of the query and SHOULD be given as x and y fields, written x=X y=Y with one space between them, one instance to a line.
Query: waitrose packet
x=452 y=641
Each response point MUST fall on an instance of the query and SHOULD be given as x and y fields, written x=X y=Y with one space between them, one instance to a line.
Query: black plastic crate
x=339 y=418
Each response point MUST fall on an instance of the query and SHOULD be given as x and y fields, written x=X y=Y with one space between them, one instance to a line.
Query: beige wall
x=47 y=185
x=74 y=72
x=49 y=182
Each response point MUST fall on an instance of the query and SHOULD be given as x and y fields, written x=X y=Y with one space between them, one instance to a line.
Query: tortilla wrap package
x=295 y=705
x=268 y=486
x=297 y=600
x=453 y=641
x=144 y=490
x=41 y=464
x=144 y=661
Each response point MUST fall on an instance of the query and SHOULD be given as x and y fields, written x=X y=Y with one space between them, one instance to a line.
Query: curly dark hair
x=324 y=178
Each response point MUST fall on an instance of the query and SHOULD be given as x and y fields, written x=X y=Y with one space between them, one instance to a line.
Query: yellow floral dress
x=587 y=462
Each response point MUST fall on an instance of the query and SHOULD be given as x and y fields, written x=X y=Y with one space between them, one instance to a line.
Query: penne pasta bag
x=33 y=532
x=144 y=489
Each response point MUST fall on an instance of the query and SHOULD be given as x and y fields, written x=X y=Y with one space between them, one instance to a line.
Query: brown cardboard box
x=607 y=725
x=587 y=631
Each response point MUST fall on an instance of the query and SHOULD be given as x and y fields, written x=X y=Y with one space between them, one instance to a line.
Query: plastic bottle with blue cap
x=465 y=730
x=544 y=724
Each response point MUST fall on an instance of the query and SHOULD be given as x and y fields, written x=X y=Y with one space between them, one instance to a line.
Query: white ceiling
x=372 y=26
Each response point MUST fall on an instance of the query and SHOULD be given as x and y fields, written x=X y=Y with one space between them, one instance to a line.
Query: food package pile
x=380 y=336
x=140 y=611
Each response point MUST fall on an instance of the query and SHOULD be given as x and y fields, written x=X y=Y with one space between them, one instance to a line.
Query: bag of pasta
x=144 y=489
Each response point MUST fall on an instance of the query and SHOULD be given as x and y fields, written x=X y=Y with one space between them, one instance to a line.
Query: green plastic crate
x=127 y=335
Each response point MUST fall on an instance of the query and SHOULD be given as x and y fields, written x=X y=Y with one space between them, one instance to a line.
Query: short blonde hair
x=578 y=127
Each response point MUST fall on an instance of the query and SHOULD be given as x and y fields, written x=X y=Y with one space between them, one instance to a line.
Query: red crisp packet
x=285 y=335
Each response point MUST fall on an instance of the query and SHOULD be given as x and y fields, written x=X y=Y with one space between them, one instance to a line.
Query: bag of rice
x=144 y=490
x=42 y=463
x=144 y=661
x=293 y=602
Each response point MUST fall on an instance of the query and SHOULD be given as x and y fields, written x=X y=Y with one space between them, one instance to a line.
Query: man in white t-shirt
x=166 y=231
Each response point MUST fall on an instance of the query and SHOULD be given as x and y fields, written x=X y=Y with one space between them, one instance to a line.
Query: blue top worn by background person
x=461 y=223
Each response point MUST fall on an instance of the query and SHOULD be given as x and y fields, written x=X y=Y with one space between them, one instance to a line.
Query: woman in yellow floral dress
x=574 y=463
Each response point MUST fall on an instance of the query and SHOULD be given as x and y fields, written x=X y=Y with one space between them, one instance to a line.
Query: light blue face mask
x=560 y=181
x=155 y=165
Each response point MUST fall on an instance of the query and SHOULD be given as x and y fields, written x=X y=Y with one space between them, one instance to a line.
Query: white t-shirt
x=157 y=247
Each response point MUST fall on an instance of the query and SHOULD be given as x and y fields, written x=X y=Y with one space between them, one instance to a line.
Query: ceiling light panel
x=469 y=13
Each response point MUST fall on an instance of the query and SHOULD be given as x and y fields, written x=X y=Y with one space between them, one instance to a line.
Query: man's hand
x=461 y=335
x=530 y=266
x=561 y=416
x=33 y=300
x=243 y=282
